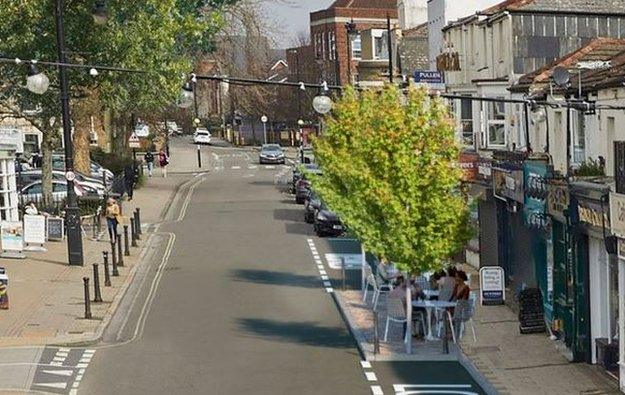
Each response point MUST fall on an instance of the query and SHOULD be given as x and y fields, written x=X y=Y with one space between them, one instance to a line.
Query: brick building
x=327 y=57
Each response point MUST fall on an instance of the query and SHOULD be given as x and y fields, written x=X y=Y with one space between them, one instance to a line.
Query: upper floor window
x=496 y=123
x=356 y=47
x=466 y=121
x=332 y=44
x=318 y=46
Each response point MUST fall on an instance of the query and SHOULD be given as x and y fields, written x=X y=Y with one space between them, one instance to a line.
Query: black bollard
x=138 y=224
x=107 y=275
x=446 y=335
x=114 y=258
x=94 y=227
x=134 y=232
x=199 y=157
x=343 y=272
x=85 y=281
x=120 y=254
x=126 y=246
x=376 y=334
x=96 y=284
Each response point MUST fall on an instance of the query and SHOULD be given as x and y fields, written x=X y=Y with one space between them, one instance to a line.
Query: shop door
x=581 y=351
x=562 y=284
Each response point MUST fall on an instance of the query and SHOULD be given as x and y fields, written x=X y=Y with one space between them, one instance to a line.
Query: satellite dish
x=561 y=76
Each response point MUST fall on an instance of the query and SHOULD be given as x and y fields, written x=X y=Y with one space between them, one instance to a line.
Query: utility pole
x=72 y=212
x=390 y=48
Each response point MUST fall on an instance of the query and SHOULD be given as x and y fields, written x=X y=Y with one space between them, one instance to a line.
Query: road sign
x=428 y=77
x=133 y=141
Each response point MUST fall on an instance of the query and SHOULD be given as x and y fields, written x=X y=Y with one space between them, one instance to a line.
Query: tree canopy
x=390 y=172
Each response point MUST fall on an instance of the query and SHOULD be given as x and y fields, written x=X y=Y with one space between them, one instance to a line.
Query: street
x=233 y=304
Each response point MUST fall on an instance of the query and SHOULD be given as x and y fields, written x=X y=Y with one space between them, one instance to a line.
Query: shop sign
x=508 y=184
x=621 y=248
x=484 y=170
x=617 y=214
x=536 y=195
x=468 y=163
x=492 y=285
x=558 y=199
x=591 y=213
x=428 y=77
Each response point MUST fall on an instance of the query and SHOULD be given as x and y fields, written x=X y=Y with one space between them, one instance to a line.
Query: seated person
x=447 y=285
x=462 y=290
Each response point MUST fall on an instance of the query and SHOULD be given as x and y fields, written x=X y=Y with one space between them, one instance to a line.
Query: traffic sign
x=133 y=141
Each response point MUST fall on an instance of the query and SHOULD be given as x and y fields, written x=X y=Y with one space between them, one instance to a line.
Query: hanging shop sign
x=468 y=163
x=492 y=285
x=617 y=214
x=508 y=184
x=535 y=206
x=558 y=199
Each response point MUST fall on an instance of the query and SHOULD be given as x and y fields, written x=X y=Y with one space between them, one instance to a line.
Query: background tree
x=390 y=172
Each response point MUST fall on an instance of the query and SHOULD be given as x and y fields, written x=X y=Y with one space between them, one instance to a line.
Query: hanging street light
x=322 y=104
x=186 y=96
x=36 y=81
x=99 y=13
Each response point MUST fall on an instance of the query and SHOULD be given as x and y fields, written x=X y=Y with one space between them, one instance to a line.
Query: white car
x=201 y=136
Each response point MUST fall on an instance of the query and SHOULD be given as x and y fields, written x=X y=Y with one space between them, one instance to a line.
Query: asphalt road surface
x=233 y=304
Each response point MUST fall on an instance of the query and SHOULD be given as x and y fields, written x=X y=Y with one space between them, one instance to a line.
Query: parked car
x=328 y=223
x=34 y=191
x=91 y=185
x=271 y=153
x=302 y=186
x=299 y=170
x=311 y=205
x=96 y=170
x=201 y=136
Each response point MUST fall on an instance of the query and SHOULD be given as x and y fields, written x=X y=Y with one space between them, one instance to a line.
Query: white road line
x=89 y=351
x=252 y=167
x=82 y=365
x=270 y=167
x=236 y=167
x=376 y=390
x=327 y=284
x=365 y=364
x=85 y=360
x=76 y=384
x=73 y=392
x=59 y=359
x=65 y=373
x=325 y=278
x=329 y=290
x=64 y=349
x=56 y=364
x=60 y=386
x=62 y=354
x=371 y=376
x=322 y=272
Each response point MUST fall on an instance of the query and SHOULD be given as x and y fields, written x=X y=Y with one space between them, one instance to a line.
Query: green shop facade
x=553 y=234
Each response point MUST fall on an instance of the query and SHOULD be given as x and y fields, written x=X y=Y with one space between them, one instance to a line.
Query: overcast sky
x=292 y=16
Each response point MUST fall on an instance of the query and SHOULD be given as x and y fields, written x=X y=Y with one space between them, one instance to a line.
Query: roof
x=364 y=4
x=417 y=31
x=600 y=49
x=564 y=6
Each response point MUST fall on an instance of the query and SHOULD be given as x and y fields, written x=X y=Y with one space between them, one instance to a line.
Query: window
x=324 y=51
x=502 y=42
x=318 y=44
x=35 y=189
x=496 y=123
x=356 y=47
x=332 y=41
x=466 y=121
x=31 y=143
x=579 y=142
x=380 y=44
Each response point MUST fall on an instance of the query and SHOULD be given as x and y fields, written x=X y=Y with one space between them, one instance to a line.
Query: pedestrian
x=149 y=159
x=112 y=217
x=129 y=180
x=163 y=160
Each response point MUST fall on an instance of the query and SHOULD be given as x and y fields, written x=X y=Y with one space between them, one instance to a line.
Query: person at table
x=399 y=292
x=434 y=279
x=447 y=285
x=462 y=290
x=387 y=272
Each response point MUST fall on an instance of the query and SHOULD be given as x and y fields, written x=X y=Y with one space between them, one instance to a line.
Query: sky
x=292 y=16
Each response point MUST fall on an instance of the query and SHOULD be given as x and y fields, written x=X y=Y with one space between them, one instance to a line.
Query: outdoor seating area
x=439 y=300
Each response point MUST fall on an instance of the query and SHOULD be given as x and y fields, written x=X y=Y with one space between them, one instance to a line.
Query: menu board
x=56 y=228
x=34 y=229
x=492 y=285
x=11 y=236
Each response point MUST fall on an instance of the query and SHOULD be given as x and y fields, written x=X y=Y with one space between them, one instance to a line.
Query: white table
x=431 y=305
x=430 y=293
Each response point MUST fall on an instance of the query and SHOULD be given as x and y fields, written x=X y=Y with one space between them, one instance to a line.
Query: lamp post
x=300 y=123
x=322 y=104
x=264 y=121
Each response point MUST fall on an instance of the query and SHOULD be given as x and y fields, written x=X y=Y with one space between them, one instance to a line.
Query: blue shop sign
x=428 y=77
x=536 y=174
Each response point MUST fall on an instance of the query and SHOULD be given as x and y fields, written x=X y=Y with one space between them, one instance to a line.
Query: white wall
x=441 y=13
x=599 y=291
x=412 y=13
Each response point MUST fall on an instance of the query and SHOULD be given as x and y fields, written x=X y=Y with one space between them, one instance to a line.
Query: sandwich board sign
x=12 y=239
x=492 y=286
x=34 y=232
x=55 y=228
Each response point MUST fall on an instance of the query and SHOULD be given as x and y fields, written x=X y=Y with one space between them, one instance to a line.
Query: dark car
x=298 y=172
x=311 y=205
x=302 y=187
x=328 y=223
x=271 y=153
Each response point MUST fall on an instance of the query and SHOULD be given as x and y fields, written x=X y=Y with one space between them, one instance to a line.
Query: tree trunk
x=253 y=133
x=82 y=136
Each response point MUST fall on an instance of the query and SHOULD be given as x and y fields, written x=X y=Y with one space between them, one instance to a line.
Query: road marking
x=65 y=373
x=270 y=167
x=62 y=354
x=325 y=277
x=327 y=284
x=59 y=359
x=376 y=390
x=56 y=364
x=60 y=386
x=322 y=272
x=252 y=167
x=371 y=376
x=329 y=290
x=236 y=167
x=63 y=350
x=365 y=364
x=82 y=365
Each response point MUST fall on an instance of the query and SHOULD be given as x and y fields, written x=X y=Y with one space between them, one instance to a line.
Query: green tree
x=161 y=37
x=390 y=172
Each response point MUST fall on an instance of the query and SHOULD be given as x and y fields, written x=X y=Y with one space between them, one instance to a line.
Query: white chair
x=422 y=282
x=395 y=313
x=463 y=313
x=369 y=282
x=380 y=287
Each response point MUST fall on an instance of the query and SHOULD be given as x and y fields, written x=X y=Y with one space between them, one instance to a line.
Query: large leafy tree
x=160 y=37
x=390 y=172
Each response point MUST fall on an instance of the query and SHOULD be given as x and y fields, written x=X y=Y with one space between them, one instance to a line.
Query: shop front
x=588 y=286
x=614 y=357
x=516 y=238
x=490 y=250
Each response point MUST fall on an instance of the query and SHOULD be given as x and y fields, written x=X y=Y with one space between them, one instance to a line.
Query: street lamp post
x=72 y=212
x=264 y=120
x=300 y=123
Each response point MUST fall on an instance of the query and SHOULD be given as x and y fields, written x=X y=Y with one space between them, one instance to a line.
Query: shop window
x=357 y=47
x=496 y=124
